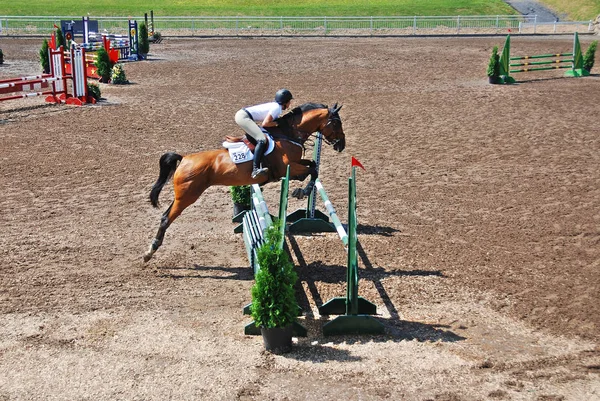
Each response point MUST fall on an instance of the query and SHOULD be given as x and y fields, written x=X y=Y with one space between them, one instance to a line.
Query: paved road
x=531 y=7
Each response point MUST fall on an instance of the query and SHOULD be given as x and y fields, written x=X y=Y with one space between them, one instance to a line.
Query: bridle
x=333 y=117
x=302 y=136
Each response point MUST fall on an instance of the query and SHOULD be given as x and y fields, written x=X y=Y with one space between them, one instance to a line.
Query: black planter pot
x=277 y=340
x=239 y=208
x=493 y=80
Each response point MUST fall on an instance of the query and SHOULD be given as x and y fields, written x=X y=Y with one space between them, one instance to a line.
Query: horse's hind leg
x=174 y=210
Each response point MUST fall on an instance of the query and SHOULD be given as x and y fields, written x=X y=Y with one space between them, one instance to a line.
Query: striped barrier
x=54 y=85
x=518 y=64
x=256 y=220
x=119 y=47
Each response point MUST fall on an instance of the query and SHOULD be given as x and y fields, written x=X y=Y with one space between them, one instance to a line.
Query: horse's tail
x=168 y=165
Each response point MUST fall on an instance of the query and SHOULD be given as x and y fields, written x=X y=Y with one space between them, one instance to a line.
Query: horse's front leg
x=299 y=171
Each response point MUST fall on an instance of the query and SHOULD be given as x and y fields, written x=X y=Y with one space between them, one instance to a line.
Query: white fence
x=307 y=26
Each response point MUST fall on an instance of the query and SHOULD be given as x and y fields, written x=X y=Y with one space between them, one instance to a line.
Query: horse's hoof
x=147 y=257
x=298 y=193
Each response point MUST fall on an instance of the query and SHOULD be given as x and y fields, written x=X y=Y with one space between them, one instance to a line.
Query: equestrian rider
x=265 y=114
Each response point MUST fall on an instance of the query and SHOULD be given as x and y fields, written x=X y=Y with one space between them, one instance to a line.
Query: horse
x=193 y=173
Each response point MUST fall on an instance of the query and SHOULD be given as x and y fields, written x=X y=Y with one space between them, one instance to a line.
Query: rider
x=265 y=114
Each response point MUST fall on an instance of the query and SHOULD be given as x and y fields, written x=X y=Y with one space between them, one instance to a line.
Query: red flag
x=357 y=163
x=55 y=26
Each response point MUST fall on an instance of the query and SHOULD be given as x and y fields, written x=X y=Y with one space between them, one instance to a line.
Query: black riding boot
x=259 y=151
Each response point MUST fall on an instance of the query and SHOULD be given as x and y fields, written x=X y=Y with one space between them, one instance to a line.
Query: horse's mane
x=285 y=121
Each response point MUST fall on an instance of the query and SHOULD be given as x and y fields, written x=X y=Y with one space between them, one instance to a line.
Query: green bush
x=588 y=57
x=273 y=295
x=60 y=39
x=45 y=57
x=104 y=65
x=1 y=57
x=118 y=75
x=94 y=90
x=493 y=69
x=144 y=42
x=241 y=195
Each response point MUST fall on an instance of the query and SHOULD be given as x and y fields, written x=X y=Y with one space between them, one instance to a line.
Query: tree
x=60 y=39
x=104 y=65
x=144 y=42
x=44 y=57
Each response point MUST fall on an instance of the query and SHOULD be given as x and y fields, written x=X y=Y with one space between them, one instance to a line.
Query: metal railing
x=306 y=26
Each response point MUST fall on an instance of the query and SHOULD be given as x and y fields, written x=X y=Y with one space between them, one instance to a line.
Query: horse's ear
x=336 y=108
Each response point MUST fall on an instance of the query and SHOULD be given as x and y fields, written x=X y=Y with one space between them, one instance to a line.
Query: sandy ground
x=479 y=232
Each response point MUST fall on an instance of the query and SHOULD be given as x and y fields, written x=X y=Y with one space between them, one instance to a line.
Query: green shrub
x=1 y=57
x=60 y=39
x=45 y=57
x=118 y=75
x=241 y=195
x=144 y=42
x=94 y=90
x=273 y=295
x=104 y=65
x=588 y=57
x=493 y=69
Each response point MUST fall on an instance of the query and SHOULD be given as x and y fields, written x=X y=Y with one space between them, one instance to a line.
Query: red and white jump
x=54 y=85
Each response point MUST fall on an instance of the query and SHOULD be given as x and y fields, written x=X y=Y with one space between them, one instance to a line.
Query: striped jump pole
x=573 y=62
x=255 y=222
x=335 y=220
x=34 y=85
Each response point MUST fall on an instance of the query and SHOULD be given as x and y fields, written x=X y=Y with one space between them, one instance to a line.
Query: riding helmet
x=283 y=96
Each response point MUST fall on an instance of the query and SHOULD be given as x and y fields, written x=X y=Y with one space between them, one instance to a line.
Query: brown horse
x=194 y=173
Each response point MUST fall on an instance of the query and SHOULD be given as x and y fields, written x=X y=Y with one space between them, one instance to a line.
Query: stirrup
x=259 y=171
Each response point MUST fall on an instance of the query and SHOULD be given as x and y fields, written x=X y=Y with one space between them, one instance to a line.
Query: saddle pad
x=240 y=153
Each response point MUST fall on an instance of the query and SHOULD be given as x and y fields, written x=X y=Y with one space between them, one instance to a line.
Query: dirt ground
x=479 y=231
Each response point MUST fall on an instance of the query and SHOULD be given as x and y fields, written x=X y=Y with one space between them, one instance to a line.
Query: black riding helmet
x=283 y=96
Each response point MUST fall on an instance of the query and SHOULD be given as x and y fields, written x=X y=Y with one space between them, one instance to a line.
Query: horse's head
x=308 y=118
x=332 y=129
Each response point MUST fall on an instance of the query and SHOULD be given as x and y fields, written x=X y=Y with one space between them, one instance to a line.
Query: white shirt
x=261 y=111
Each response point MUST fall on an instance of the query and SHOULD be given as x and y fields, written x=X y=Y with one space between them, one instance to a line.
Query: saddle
x=249 y=141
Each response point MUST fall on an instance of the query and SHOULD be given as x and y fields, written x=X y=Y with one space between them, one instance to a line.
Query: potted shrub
x=144 y=42
x=117 y=75
x=241 y=197
x=60 y=39
x=94 y=91
x=45 y=57
x=104 y=65
x=588 y=57
x=274 y=306
x=493 y=69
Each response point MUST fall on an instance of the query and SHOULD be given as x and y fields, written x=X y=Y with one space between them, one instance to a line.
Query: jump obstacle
x=54 y=85
x=118 y=47
x=573 y=61
x=354 y=310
